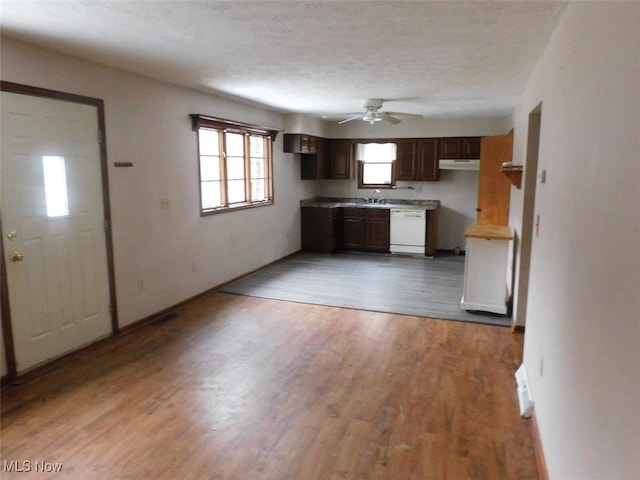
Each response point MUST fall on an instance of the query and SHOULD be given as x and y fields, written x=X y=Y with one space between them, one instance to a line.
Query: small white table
x=486 y=268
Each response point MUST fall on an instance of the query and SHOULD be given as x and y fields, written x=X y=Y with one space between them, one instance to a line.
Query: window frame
x=362 y=185
x=361 y=165
x=222 y=127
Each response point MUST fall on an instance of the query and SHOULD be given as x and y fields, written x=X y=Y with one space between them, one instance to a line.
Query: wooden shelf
x=514 y=174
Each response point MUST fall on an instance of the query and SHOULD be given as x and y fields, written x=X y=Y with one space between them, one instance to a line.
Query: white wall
x=147 y=123
x=583 y=318
x=456 y=190
x=299 y=123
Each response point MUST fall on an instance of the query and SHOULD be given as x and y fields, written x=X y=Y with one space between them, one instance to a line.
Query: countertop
x=489 y=232
x=388 y=203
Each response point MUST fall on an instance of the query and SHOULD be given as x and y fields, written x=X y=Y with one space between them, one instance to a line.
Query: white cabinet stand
x=486 y=268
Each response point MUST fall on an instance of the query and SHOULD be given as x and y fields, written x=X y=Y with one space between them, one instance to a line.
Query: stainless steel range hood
x=459 y=164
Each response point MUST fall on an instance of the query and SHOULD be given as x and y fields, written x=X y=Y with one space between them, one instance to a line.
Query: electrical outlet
x=193 y=266
x=541 y=365
x=164 y=203
x=140 y=284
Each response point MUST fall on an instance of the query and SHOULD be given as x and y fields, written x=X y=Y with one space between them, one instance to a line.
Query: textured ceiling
x=438 y=59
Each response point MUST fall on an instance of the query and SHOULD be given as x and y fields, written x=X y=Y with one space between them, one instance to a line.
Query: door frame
x=7 y=330
x=534 y=128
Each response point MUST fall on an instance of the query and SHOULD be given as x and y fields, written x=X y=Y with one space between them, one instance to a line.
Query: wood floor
x=247 y=388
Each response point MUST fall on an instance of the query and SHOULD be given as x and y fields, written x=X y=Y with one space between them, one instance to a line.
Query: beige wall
x=583 y=313
x=147 y=123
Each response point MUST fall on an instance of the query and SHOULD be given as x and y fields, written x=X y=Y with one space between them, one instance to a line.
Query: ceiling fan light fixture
x=372 y=117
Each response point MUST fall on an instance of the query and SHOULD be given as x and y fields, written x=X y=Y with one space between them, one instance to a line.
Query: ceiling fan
x=373 y=114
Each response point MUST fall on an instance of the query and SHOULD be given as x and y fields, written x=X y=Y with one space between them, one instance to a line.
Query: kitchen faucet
x=378 y=199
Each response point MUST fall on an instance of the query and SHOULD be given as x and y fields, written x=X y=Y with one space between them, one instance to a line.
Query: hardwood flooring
x=247 y=388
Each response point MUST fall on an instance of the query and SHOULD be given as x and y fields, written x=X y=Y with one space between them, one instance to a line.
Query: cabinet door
x=318 y=229
x=313 y=166
x=353 y=228
x=377 y=230
x=308 y=166
x=313 y=144
x=432 y=233
x=427 y=159
x=299 y=143
x=341 y=158
x=494 y=189
x=450 y=148
x=470 y=147
x=406 y=160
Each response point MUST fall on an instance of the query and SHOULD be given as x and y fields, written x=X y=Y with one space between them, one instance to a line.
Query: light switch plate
x=542 y=176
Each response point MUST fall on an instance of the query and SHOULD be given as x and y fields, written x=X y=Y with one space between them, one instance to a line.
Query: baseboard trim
x=541 y=463
x=517 y=328
x=450 y=252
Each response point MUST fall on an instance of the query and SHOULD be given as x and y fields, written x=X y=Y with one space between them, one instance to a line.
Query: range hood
x=459 y=164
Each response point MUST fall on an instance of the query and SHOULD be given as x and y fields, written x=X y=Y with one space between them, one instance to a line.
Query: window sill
x=234 y=207
x=370 y=186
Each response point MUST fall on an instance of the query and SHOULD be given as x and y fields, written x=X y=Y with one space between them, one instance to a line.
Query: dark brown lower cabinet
x=366 y=229
x=320 y=229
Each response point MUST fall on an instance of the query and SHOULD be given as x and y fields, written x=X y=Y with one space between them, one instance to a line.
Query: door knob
x=16 y=257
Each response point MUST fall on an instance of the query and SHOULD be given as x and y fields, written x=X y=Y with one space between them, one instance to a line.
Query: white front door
x=54 y=227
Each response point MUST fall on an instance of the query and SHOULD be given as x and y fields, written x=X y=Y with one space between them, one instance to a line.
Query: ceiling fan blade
x=404 y=115
x=350 y=118
x=388 y=118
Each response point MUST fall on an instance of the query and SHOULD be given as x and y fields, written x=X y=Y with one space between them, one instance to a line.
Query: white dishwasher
x=408 y=231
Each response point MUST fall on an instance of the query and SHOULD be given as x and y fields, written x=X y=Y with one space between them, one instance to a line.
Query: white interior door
x=53 y=221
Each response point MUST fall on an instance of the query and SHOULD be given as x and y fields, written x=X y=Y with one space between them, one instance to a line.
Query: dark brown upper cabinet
x=406 y=159
x=340 y=159
x=300 y=143
x=427 y=159
x=313 y=166
x=460 y=147
x=417 y=159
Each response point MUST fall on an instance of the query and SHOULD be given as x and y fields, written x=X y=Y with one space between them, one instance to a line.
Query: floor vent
x=524 y=397
x=165 y=318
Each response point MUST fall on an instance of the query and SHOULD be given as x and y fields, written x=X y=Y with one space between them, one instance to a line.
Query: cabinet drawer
x=377 y=213
x=353 y=212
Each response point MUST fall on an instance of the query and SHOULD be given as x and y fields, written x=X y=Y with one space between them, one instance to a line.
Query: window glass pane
x=211 y=195
x=209 y=168
x=376 y=173
x=257 y=167
x=235 y=191
x=235 y=168
x=257 y=190
x=235 y=144
x=256 y=146
x=209 y=144
x=55 y=186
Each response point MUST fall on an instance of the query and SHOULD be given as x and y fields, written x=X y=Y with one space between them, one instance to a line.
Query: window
x=55 y=186
x=236 y=164
x=376 y=165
